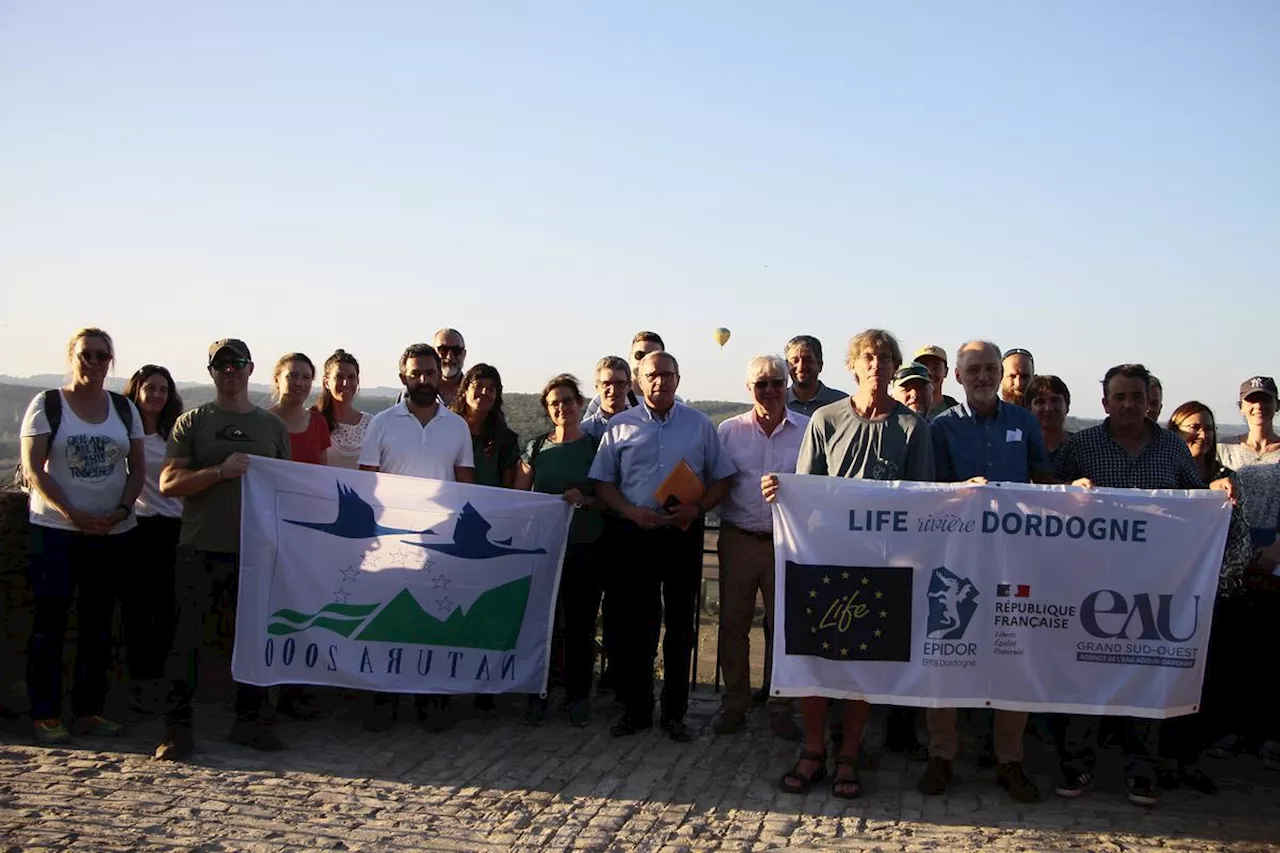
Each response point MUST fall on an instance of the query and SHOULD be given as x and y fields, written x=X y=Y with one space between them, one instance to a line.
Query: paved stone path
x=498 y=785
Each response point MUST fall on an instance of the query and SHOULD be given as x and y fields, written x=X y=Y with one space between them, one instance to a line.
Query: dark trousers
x=62 y=562
x=1183 y=738
x=147 y=605
x=580 y=594
x=657 y=578
x=199 y=575
x=1078 y=738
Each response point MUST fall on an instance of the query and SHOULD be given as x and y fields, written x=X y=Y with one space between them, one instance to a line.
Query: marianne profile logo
x=952 y=602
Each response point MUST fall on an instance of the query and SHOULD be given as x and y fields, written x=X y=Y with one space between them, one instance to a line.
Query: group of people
x=132 y=479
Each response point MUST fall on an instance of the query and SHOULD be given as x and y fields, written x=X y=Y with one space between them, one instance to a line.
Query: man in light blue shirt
x=659 y=541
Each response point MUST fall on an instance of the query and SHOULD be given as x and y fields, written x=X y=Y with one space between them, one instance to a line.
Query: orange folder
x=681 y=486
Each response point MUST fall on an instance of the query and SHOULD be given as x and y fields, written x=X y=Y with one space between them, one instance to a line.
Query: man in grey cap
x=934 y=358
x=913 y=388
x=209 y=451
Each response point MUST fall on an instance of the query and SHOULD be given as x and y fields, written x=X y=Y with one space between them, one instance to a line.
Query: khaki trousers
x=746 y=566
x=1007 y=734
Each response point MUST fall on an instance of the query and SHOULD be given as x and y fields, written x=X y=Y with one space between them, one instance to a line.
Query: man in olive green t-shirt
x=209 y=450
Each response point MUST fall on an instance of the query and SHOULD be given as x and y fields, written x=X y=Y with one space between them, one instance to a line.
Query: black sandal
x=854 y=780
x=795 y=782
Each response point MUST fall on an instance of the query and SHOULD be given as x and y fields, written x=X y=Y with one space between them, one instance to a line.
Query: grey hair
x=987 y=345
x=660 y=353
x=773 y=362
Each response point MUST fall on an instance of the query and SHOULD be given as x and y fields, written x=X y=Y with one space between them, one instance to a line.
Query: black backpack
x=52 y=402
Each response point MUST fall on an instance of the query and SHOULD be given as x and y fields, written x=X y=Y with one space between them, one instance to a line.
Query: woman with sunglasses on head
x=336 y=404
x=308 y=431
x=1183 y=739
x=83 y=456
x=147 y=608
x=557 y=463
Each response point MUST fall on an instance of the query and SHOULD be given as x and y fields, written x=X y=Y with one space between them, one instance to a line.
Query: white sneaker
x=1270 y=755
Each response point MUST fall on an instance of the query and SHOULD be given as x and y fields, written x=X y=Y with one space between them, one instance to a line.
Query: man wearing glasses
x=208 y=452
x=807 y=394
x=613 y=388
x=764 y=440
x=643 y=343
x=453 y=360
x=659 y=540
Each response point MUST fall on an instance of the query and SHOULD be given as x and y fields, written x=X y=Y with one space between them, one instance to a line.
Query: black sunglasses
x=90 y=356
x=761 y=384
x=447 y=350
x=223 y=364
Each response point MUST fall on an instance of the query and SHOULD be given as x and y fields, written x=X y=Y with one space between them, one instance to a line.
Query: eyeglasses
x=92 y=356
x=446 y=349
x=1193 y=429
x=222 y=365
x=761 y=384
x=638 y=355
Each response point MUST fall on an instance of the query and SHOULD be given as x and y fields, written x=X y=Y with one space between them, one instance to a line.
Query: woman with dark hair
x=336 y=404
x=557 y=463
x=147 y=606
x=82 y=455
x=1050 y=401
x=1183 y=739
x=495 y=445
x=308 y=431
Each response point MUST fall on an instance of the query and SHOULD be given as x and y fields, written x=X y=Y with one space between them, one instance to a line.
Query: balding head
x=978 y=372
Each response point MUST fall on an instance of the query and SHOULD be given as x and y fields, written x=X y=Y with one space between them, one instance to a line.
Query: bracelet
x=218 y=470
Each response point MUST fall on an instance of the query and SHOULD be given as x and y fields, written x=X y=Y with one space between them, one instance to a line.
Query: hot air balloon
x=721 y=336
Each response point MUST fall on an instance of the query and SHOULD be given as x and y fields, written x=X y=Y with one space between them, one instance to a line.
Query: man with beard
x=419 y=437
x=209 y=451
x=807 y=394
x=1018 y=367
x=984 y=440
x=452 y=351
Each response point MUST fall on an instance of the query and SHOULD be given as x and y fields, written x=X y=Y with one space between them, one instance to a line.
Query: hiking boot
x=936 y=777
x=1074 y=783
x=97 y=726
x=1014 y=779
x=177 y=744
x=255 y=734
x=51 y=731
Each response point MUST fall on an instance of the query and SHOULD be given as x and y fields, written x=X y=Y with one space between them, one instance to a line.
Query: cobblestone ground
x=498 y=785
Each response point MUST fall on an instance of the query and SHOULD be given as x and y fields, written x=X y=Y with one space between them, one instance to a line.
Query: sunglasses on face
x=761 y=384
x=224 y=364
x=450 y=350
x=639 y=355
x=94 y=356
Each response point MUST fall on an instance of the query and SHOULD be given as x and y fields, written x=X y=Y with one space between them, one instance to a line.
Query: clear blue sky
x=1096 y=181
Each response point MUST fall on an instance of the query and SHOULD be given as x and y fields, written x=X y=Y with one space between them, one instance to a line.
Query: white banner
x=397 y=584
x=1030 y=598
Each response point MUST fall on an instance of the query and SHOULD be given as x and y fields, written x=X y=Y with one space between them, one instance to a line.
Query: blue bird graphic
x=471 y=540
x=355 y=520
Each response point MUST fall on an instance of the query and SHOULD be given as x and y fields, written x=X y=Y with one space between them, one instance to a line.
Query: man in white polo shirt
x=418 y=437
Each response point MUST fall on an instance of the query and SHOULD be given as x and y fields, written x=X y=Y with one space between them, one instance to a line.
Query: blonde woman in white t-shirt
x=147 y=605
x=347 y=426
x=83 y=456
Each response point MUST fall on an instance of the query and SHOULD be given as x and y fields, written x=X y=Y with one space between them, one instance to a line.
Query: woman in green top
x=495 y=445
x=557 y=463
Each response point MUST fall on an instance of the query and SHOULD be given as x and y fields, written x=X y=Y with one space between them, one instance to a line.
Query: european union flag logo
x=848 y=612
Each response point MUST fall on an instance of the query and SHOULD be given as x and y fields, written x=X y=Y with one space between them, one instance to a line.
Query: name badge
x=1013 y=435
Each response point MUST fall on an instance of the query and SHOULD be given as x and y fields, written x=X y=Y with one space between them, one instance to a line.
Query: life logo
x=953 y=601
x=1136 y=630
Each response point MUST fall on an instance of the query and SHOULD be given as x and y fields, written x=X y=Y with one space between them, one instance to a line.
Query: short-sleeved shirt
x=309 y=445
x=87 y=461
x=346 y=441
x=1259 y=477
x=842 y=443
x=560 y=467
x=205 y=436
x=494 y=455
x=150 y=502
x=596 y=423
x=398 y=443
x=1006 y=446
x=639 y=451
x=1165 y=462
x=755 y=454
x=825 y=397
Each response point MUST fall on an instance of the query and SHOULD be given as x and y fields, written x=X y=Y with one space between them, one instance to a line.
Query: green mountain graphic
x=340 y=618
x=493 y=621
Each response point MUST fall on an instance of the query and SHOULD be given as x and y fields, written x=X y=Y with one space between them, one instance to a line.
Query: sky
x=1097 y=182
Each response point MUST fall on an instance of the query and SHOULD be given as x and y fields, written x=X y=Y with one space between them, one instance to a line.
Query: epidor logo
x=1109 y=615
x=952 y=603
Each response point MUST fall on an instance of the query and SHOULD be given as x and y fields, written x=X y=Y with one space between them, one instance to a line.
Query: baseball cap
x=1258 y=385
x=237 y=346
x=909 y=372
x=931 y=350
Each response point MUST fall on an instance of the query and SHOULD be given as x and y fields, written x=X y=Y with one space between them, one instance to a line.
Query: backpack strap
x=123 y=410
x=537 y=448
x=53 y=412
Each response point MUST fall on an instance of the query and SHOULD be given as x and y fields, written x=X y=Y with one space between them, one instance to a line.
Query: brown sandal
x=795 y=782
x=854 y=780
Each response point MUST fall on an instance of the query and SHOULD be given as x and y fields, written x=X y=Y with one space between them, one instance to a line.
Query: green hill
x=492 y=623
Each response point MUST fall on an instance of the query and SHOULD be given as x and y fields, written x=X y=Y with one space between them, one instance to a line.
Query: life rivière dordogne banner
x=1007 y=596
x=396 y=584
